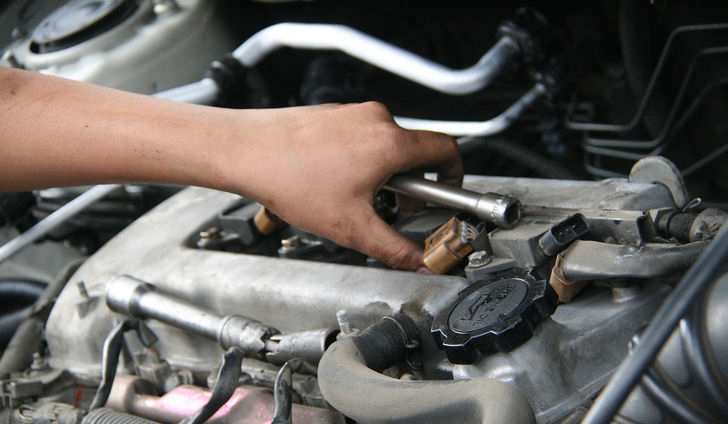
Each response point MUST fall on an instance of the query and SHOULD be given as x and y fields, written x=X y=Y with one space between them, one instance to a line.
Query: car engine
x=577 y=275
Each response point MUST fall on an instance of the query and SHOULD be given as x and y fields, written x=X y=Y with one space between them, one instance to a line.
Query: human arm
x=316 y=167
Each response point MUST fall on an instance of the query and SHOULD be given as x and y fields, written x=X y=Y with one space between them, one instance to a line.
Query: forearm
x=56 y=132
x=317 y=167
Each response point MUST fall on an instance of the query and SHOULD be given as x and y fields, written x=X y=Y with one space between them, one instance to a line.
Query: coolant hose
x=20 y=292
x=28 y=338
x=365 y=395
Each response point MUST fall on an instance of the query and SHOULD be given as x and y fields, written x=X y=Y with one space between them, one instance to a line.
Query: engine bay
x=588 y=224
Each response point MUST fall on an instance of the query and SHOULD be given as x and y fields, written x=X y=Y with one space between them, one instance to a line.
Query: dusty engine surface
x=583 y=283
x=295 y=296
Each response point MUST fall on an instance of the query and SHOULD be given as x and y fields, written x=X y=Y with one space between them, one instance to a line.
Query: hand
x=319 y=168
x=316 y=167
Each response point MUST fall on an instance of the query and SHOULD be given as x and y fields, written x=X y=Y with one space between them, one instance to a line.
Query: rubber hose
x=635 y=40
x=9 y=323
x=366 y=395
x=536 y=162
x=20 y=292
x=110 y=416
x=28 y=338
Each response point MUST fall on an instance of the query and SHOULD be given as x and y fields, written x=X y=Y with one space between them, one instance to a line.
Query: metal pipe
x=652 y=85
x=139 y=299
x=476 y=128
x=653 y=338
x=55 y=219
x=592 y=260
x=504 y=211
x=380 y=54
x=202 y=92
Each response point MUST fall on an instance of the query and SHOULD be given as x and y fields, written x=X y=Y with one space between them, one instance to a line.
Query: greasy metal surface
x=290 y=295
x=591 y=260
x=572 y=354
x=612 y=194
x=660 y=170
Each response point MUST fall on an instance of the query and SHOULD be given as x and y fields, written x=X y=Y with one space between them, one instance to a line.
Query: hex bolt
x=291 y=243
x=479 y=259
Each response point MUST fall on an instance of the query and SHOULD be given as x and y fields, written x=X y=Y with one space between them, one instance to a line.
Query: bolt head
x=479 y=258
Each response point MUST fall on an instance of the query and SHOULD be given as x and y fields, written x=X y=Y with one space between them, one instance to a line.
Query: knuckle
x=397 y=256
x=376 y=108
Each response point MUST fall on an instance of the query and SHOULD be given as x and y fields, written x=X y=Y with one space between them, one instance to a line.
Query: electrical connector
x=449 y=245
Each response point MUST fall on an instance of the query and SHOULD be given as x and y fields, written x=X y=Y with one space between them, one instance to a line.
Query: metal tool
x=503 y=211
x=138 y=299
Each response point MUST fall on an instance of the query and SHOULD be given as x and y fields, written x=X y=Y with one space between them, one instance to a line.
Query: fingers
x=435 y=152
x=376 y=238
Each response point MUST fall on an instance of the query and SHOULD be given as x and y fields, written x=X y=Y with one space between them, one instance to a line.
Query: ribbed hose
x=110 y=416
x=536 y=162
x=20 y=292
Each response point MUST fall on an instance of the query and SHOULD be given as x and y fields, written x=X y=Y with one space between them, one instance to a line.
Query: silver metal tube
x=203 y=92
x=476 y=128
x=500 y=210
x=592 y=260
x=380 y=54
x=55 y=219
x=138 y=299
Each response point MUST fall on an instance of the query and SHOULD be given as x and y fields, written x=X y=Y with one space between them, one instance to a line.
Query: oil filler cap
x=493 y=316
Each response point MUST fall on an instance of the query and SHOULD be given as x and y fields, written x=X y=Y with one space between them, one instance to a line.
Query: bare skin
x=316 y=167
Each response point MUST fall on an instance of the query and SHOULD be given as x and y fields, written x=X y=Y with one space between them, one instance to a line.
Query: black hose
x=9 y=323
x=17 y=291
x=693 y=283
x=534 y=161
x=28 y=338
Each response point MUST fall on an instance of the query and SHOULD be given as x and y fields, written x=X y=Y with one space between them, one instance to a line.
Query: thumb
x=388 y=246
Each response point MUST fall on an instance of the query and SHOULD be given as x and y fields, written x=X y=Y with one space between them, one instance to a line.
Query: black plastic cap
x=493 y=316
